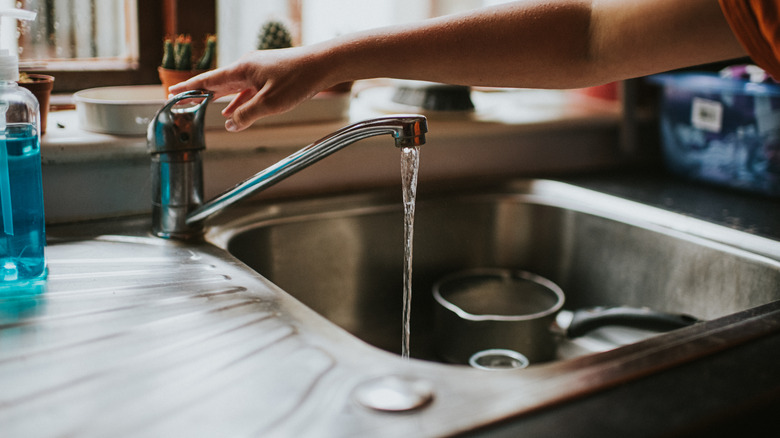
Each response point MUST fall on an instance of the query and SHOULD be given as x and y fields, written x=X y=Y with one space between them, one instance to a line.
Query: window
x=88 y=43
x=78 y=35
x=317 y=20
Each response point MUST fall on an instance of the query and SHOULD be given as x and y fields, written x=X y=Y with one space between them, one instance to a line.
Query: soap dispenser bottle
x=22 y=235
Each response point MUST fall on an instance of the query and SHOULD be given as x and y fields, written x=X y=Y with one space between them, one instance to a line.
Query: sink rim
x=255 y=214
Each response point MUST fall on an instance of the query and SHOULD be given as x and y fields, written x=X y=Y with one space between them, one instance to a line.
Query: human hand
x=265 y=82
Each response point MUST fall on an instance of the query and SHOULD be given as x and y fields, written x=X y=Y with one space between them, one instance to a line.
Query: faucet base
x=170 y=223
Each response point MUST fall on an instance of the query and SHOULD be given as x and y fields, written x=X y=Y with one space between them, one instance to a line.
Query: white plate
x=128 y=110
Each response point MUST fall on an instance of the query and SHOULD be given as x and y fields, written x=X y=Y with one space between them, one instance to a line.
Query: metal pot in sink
x=498 y=318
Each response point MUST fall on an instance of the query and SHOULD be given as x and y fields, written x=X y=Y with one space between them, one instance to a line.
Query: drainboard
x=342 y=257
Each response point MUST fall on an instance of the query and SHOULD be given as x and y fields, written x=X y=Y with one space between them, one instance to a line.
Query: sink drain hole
x=498 y=359
x=394 y=393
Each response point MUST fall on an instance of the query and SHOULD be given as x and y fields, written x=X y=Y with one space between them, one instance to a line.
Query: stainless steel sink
x=140 y=336
x=342 y=256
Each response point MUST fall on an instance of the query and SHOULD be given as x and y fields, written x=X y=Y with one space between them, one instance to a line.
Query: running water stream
x=410 y=165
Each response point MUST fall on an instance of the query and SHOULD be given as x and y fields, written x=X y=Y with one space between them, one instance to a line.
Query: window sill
x=497 y=113
x=89 y=175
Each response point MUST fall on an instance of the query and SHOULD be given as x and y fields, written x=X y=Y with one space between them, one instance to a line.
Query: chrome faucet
x=175 y=139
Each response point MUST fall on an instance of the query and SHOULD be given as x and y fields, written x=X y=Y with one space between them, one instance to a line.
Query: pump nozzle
x=9 y=62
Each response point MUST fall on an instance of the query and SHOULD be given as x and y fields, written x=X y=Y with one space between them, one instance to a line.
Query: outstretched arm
x=531 y=44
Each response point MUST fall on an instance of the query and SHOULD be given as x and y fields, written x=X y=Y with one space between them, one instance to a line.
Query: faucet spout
x=408 y=131
x=175 y=140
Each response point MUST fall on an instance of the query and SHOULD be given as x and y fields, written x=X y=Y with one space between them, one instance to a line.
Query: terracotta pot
x=173 y=77
x=40 y=86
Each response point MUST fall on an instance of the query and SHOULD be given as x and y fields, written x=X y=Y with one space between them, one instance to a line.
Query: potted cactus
x=275 y=35
x=178 y=63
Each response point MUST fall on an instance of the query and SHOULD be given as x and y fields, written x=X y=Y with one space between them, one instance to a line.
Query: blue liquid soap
x=22 y=237
x=21 y=250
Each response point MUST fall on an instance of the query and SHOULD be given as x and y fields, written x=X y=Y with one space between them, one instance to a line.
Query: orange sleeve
x=756 y=24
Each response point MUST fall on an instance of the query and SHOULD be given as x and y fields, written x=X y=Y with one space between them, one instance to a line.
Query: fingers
x=250 y=105
x=244 y=110
x=221 y=82
x=264 y=83
x=190 y=84
x=240 y=99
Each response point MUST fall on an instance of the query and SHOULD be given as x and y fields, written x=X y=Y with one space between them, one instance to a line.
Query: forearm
x=527 y=44
x=508 y=45
x=538 y=44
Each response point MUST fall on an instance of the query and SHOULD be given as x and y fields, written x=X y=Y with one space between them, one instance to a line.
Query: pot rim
x=504 y=274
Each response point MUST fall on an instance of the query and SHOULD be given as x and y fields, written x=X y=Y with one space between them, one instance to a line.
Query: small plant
x=206 y=61
x=274 y=35
x=177 y=54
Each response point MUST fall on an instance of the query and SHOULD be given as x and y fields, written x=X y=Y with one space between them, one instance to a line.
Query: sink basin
x=342 y=256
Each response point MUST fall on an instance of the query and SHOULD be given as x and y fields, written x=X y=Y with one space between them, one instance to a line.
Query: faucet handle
x=179 y=128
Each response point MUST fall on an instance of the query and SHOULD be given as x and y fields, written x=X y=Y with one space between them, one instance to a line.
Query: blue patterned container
x=721 y=130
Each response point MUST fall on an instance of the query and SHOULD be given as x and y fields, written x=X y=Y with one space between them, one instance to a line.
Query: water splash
x=410 y=165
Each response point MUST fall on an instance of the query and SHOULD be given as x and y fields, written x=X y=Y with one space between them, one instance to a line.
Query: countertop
x=89 y=175
x=746 y=211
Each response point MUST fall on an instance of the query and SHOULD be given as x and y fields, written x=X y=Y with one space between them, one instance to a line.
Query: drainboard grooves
x=53 y=334
x=163 y=280
x=69 y=307
x=194 y=383
x=55 y=303
x=143 y=342
x=251 y=395
x=143 y=367
x=83 y=311
x=315 y=406
x=132 y=276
